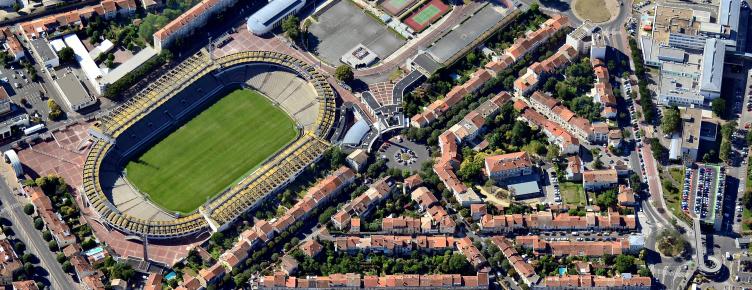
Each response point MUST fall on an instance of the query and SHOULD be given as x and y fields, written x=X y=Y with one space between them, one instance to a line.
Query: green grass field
x=424 y=16
x=212 y=151
x=572 y=193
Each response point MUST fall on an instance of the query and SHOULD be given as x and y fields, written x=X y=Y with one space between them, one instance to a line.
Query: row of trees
x=646 y=99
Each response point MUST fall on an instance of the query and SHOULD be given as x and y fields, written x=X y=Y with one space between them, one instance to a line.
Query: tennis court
x=426 y=15
x=397 y=7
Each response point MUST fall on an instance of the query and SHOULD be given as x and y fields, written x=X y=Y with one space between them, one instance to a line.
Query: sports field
x=429 y=13
x=212 y=151
x=396 y=7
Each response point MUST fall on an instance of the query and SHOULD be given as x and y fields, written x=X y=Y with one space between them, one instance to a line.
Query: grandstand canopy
x=356 y=133
x=15 y=162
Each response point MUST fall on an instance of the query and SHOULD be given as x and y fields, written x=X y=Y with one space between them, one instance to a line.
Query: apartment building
x=624 y=281
x=567 y=142
x=578 y=126
x=362 y=205
x=280 y=281
x=573 y=248
x=188 y=22
x=504 y=166
x=550 y=221
x=52 y=220
x=522 y=267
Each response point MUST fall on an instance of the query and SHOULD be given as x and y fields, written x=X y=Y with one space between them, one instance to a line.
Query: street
x=23 y=226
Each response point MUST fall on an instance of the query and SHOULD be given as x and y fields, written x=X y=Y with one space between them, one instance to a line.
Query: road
x=23 y=226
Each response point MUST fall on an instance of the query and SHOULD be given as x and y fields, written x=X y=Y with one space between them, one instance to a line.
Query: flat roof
x=670 y=19
x=463 y=35
x=129 y=65
x=672 y=53
x=728 y=13
x=42 y=48
x=73 y=90
x=691 y=120
x=427 y=62
x=712 y=65
x=524 y=188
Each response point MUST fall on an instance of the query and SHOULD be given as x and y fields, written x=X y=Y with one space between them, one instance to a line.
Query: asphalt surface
x=23 y=227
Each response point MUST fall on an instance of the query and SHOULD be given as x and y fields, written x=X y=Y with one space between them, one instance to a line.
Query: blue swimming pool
x=171 y=275
x=93 y=251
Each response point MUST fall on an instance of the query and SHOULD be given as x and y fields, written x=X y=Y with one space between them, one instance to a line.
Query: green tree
x=625 y=263
x=67 y=267
x=38 y=223
x=52 y=245
x=606 y=199
x=344 y=73
x=66 y=54
x=291 y=27
x=671 y=120
x=719 y=107
x=28 y=209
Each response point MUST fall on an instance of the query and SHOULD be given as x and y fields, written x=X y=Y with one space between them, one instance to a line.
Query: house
x=596 y=282
x=288 y=265
x=25 y=285
x=52 y=220
x=11 y=44
x=574 y=168
x=500 y=167
x=10 y=263
x=118 y=284
x=594 y=180
x=357 y=159
x=522 y=267
x=626 y=196
x=153 y=282
x=473 y=255
x=211 y=275
x=412 y=182
x=311 y=248
x=477 y=211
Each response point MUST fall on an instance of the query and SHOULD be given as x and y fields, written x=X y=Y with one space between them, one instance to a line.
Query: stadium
x=200 y=87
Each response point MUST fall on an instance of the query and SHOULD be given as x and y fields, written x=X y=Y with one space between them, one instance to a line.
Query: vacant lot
x=210 y=152
x=572 y=193
x=595 y=10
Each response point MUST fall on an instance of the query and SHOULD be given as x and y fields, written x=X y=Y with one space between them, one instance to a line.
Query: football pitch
x=211 y=151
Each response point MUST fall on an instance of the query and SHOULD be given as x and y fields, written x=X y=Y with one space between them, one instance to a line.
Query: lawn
x=572 y=193
x=595 y=10
x=672 y=193
x=212 y=151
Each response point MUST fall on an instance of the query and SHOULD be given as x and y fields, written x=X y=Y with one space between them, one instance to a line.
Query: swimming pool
x=93 y=251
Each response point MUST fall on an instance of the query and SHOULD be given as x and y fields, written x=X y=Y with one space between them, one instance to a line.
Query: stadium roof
x=712 y=65
x=356 y=133
x=264 y=20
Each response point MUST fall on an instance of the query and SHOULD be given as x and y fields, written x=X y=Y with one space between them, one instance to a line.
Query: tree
x=344 y=73
x=66 y=54
x=28 y=209
x=56 y=113
x=291 y=27
x=552 y=152
x=671 y=120
x=606 y=199
x=719 y=107
x=52 y=245
x=61 y=258
x=625 y=263
x=38 y=223
x=67 y=267
x=122 y=271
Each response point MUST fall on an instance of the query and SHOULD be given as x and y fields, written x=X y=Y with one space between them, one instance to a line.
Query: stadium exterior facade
x=271 y=15
x=165 y=105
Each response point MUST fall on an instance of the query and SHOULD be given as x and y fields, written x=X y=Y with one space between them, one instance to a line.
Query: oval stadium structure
x=170 y=102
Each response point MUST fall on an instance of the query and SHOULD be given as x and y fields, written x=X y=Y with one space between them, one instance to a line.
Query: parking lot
x=343 y=26
x=403 y=154
x=24 y=92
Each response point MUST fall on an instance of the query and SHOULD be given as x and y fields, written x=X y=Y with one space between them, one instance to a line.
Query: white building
x=269 y=17
x=186 y=23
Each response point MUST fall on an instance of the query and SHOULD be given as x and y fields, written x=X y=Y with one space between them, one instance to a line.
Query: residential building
x=153 y=282
x=25 y=285
x=363 y=204
x=550 y=221
x=280 y=281
x=596 y=282
x=574 y=168
x=189 y=21
x=573 y=248
x=52 y=220
x=10 y=263
x=11 y=44
x=311 y=248
x=500 y=167
x=522 y=267
x=593 y=180
x=357 y=159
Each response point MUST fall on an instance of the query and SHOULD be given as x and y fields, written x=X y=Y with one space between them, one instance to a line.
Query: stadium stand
x=178 y=94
